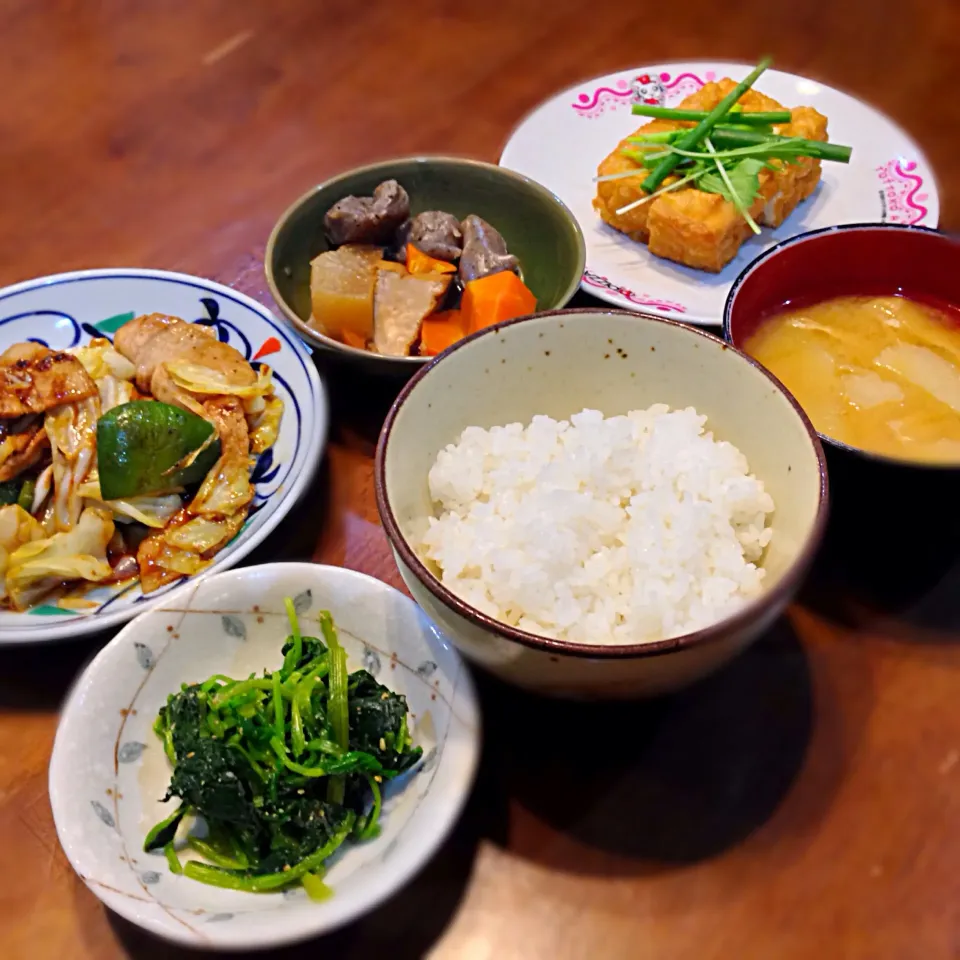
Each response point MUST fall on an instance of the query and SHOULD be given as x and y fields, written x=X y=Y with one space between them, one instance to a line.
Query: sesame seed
x=383 y=744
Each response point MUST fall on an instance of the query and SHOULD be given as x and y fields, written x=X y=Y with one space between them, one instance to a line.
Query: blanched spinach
x=255 y=758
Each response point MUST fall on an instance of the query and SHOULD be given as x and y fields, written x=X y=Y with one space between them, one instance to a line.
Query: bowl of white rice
x=600 y=504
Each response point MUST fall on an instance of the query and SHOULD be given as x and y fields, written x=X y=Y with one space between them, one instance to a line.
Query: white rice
x=599 y=530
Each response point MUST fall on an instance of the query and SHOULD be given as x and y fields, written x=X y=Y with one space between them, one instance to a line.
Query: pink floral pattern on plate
x=659 y=89
x=592 y=279
x=900 y=198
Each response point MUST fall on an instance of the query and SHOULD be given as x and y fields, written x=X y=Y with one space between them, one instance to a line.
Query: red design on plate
x=656 y=89
x=637 y=299
x=270 y=345
x=900 y=199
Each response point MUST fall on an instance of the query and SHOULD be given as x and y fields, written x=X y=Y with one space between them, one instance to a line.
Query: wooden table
x=803 y=803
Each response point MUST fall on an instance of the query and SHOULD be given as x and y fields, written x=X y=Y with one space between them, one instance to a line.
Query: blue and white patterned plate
x=69 y=309
x=108 y=771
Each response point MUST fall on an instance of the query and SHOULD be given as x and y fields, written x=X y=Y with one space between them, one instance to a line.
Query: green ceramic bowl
x=538 y=228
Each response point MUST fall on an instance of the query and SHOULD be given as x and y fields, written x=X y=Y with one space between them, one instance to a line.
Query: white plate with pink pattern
x=562 y=142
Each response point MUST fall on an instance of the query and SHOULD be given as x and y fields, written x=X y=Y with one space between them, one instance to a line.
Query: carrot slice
x=352 y=339
x=419 y=262
x=495 y=298
x=439 y=331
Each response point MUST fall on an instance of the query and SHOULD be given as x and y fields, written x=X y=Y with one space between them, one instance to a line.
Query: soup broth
x=878 y=373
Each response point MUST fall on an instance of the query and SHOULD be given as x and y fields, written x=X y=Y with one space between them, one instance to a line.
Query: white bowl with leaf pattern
x=69 y=309
x=108 y=770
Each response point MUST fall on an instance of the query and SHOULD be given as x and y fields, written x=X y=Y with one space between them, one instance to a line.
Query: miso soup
x=878 y=373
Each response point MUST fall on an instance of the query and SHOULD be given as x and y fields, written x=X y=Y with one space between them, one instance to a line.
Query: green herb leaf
x=732 y=192
x=742 y=175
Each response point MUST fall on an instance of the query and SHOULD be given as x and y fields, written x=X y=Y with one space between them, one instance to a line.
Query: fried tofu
x=795 y=181
x=696 y=228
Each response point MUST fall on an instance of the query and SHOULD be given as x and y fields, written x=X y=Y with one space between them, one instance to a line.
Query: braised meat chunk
x=437 y=234
x=484 y=250
x=368 y=219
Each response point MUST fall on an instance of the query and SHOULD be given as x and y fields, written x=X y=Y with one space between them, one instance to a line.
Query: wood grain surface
x=805 y=803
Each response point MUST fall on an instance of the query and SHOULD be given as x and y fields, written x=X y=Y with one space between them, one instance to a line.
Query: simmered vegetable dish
x=411 y=286
x=127 y=459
